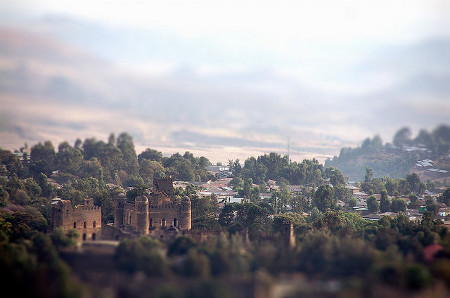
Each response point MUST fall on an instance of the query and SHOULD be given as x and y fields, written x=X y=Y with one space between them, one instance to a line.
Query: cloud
x=59 y=90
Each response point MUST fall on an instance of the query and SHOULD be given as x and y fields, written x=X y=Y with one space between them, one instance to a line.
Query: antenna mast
x=288 y=149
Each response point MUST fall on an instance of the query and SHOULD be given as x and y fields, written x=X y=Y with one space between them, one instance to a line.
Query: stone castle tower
x=158 y=211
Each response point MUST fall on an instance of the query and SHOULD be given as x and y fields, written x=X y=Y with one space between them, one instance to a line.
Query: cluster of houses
x=225 y=194
x=428 y=164
x=414 y=214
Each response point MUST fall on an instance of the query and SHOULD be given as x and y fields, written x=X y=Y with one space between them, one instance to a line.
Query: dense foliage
x=246 y=240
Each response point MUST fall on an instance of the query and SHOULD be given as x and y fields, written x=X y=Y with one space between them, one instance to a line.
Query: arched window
x=74 y=224
x=151 y=222
x=163 y=222
x=84 y=236
x=175 y=222
x=93 y=236
x=84 y=225
x=94 y=224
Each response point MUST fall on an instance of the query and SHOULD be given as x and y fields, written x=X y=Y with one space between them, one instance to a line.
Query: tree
x=126 y=146
x=391 y=186
x=335 y=175
x=432 y=206
x=48 y=190
x=204 y=212
x=414 y=200
x=149 y=169
x=299 y=203
x=369 y=174
x=4 y=197
x=416 y=186
x=324 y=198
x=342 y=193
x=42 y=158
x=227 y=215
x=68 y=159
x=398 y=205
x=445 y=197
x=141 y=254
x=352 y=202
x=385 y=204
x=372 y=204
x=150 y=154
x=402 y=137
x=11 y=162
x=33 y=189
x=181 y=246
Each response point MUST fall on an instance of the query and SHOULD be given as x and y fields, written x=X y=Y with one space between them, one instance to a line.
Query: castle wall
x=165 y=215
x=129 y=215
x=85 y=219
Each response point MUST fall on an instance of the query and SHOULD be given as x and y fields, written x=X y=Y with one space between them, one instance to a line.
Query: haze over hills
x=63 y=78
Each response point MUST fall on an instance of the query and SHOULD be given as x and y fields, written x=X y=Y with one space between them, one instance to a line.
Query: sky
x=224 y=79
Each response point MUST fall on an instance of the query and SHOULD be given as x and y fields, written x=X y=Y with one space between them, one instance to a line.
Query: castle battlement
x=86 y=208
x=173 y=205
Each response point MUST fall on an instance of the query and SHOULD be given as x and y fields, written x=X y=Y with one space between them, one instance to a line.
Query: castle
x=86 y=219
x=159 y=215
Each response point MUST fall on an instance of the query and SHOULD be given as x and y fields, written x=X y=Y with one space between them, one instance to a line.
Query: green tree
x=445 y=197
x=324 y=198
x=181 y=246
x=68 y=159
x=126 y=146
x=352 y=202
x=385 y=203
x=402 y=137
x=398 y=205
x=4 y=197
x=372 y=204
x=369 y=174
x=432 y=206
x=141 y=254
x=32 y=188
x=151 y=155
x=391 y=186
x=11 y=162
x=416 y=186
x=204 y=213
x=42 y=158
x=335 y=175
x=149 y=169
x=342 y=193
x=414 y=201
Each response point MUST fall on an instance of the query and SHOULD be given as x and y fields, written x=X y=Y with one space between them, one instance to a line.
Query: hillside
x=402 y=157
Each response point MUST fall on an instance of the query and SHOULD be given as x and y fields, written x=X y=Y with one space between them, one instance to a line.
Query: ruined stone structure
x=86 y=219
x=157 y=215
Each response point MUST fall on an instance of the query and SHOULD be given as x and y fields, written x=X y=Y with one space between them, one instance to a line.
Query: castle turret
x=287 y=232
x=185 y=221
x=142 y=220
x=60 y=213
x=163 y=184
x=120 y=204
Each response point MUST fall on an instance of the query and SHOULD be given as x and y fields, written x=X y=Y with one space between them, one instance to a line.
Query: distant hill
x=399 y=158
